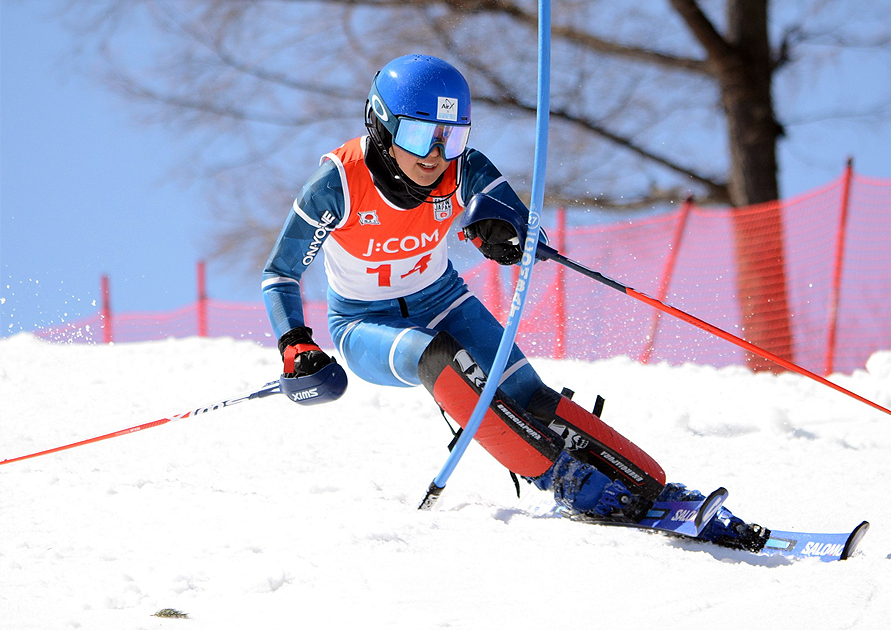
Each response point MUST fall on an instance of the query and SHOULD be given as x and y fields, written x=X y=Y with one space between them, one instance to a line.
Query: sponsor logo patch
x=621 y=466
x=572 y=440
x=520 y=424
x=379 y=108
x=318 y=237
x=684 y=515
x=470 y=369
x=822 y=549
x=446 y=108
x=369 y=217
x=305 y=394
x=406 y=244
x=442 y=209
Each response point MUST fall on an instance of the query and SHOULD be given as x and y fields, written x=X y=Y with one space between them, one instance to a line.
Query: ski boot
x=586 y=491
x=725 y=529
x=619 y=505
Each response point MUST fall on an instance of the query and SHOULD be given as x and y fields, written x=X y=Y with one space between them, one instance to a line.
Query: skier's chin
x=426 y=176
x=422 y=171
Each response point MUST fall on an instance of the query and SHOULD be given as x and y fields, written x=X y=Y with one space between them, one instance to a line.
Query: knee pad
x=508 y=432
x=592 y=441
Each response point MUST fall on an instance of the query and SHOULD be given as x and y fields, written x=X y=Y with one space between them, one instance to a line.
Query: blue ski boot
x=585 y=490
x=725 y=529
x=618 y=504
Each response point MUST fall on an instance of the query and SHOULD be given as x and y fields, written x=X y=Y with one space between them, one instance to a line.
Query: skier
x=400 y=315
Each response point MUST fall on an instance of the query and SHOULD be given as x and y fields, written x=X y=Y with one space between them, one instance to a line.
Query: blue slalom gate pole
x=529 y=248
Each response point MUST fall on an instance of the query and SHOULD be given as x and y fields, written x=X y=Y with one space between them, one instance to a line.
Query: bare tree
x=651 y=101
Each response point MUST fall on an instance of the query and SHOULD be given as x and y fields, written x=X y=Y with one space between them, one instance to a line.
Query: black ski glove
x=497 y=240
x=300 y=353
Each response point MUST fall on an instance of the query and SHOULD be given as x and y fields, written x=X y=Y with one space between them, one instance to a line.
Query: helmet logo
x=378 y=106
x=447 y=108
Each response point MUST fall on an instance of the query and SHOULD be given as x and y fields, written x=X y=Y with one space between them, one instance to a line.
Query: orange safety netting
x=814 y=273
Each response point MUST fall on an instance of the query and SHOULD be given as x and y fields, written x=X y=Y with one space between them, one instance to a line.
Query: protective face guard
x=326 y=385
x=418 y=137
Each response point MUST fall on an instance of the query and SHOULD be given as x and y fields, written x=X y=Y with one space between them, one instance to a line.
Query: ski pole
x=549 y=253
x=273 y=387
x=529 y=248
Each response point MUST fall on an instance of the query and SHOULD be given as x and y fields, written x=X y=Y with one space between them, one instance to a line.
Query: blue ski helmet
x=422 y=102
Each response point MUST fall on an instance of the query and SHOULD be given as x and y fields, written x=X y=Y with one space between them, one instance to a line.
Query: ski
x=826 y=547
x=686 y=518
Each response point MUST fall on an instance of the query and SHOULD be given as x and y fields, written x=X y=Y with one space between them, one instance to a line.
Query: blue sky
x=84 y=189
x=84 y=192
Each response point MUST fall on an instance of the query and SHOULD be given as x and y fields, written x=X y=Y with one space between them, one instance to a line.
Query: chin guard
x=326 y=385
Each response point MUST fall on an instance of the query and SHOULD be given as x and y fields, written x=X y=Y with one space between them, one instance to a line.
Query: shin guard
x=590 y=440
x=508 y=432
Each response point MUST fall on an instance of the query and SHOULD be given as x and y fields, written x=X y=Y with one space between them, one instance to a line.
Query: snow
x=268 y=515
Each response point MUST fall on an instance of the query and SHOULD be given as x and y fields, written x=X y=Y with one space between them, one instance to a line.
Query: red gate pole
x=202 y=300
x=835 y=289
x=549 y=253
x=106 y=310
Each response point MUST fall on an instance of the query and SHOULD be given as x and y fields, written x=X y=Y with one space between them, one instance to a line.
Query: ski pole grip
x=432 y=497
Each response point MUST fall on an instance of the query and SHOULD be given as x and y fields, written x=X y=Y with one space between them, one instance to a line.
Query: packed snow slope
x=268 y=515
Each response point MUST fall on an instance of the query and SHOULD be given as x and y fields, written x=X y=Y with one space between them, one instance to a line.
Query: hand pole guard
x=482 y=207
x=326 y=385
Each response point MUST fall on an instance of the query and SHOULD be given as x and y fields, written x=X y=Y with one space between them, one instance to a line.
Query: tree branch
x=719 y=51
x=581 y=38
x=569 y=34
x=716 y=189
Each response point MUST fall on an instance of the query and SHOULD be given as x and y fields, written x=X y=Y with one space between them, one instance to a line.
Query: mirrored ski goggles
x=418 y=137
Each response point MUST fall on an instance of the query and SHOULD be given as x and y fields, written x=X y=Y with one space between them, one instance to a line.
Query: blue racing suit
x=381 y=330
